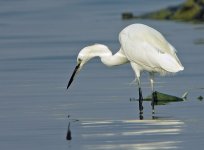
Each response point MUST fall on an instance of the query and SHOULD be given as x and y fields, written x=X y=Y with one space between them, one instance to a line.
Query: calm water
x=39 y=42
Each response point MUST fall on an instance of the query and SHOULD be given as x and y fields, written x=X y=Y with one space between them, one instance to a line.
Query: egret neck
x=102 y=51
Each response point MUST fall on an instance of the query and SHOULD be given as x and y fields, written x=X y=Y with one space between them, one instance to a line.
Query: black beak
x=73 y=74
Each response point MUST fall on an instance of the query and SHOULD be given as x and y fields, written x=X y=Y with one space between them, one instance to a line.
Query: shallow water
x=39 y=42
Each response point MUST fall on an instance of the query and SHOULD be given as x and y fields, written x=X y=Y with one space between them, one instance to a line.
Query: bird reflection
x=69 y=136
x=141 y=117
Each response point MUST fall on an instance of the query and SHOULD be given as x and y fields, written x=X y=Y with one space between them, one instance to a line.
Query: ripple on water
x=130 y=134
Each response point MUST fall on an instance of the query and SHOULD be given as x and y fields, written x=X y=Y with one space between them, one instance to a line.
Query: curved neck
x=107 y=57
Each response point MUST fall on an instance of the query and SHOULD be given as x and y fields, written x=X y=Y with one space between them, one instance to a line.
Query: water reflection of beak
x=77 y=68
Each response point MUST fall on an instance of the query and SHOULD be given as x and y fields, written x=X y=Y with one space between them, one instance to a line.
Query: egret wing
x=149 y=56
x=148 y=48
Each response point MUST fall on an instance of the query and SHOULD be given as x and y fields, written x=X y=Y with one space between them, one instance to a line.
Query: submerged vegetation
x=163 y=99
x=191 y=10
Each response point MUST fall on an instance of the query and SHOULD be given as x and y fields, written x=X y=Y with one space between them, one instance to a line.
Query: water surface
x=39 y=42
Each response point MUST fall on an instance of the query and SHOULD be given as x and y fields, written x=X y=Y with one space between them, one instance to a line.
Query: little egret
x=144 y=48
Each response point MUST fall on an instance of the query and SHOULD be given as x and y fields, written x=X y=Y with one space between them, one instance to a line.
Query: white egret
x=144 y=48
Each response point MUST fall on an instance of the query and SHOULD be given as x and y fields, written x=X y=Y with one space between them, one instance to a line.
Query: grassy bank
x=191 y=10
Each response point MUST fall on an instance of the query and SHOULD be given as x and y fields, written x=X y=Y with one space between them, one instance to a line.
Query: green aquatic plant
x=163 y=99
x=200 y=98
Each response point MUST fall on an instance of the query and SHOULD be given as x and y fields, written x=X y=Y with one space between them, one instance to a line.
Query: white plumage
x=148 y=49
x=143 y=47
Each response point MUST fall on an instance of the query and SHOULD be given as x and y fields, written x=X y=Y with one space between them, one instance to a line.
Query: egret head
x=86 y=54
x=83 y=57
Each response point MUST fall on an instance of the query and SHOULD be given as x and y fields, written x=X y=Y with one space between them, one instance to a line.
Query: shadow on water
x=131 y=134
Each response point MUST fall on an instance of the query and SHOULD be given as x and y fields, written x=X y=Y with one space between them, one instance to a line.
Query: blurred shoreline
x=189 y=11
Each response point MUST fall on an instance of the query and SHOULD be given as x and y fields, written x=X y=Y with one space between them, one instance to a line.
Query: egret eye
x=79 y=60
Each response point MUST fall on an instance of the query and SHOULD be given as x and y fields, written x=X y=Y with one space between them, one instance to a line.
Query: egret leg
x=137 y=70
x=140 y=96
x=140 y=101
x=154 y=93
x=154 y=100
x=152 y=103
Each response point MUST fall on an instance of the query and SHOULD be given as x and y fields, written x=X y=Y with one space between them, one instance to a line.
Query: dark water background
x=39 y=42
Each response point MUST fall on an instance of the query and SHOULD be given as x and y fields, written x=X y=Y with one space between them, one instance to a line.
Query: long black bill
x=73 y=74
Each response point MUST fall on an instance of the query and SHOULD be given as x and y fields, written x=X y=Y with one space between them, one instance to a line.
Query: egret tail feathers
x=170 y=64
